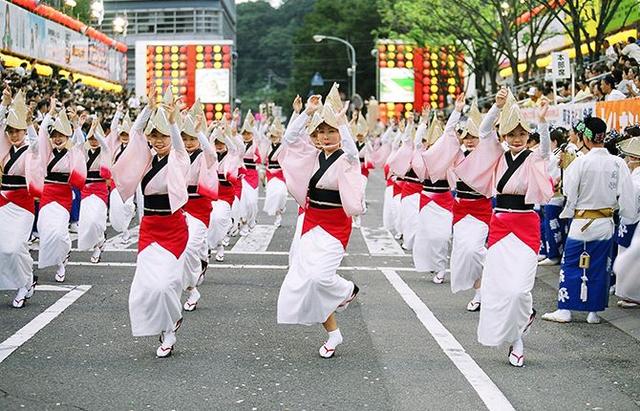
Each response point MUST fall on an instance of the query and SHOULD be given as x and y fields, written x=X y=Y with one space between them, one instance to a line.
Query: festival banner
x=617 y=114
x=31 y=36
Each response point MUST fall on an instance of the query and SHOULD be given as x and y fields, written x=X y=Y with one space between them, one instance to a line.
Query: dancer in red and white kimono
x=276 y=190
x=520 y=179
x=471 y=215
x=329 y=185
x=410 y=184
x=250 y=158
x=228 y=163
x=359 y=128
x=121 y=212
x=202 y=185
x=63 y=160
x=95 y=194
x=627 y=278
x=430 y=163
x=154 y=299
x=18 y=156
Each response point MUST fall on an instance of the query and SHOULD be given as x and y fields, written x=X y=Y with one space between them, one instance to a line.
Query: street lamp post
x=320 y=37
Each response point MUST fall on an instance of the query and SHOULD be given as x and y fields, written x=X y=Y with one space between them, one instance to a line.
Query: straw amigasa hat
x=62 y=124
x=474 y=119
x=249 y=123
x=276 y=127
x=18 y=110
x=631 y=147
x=189 y=121
x=511 y=117
x=125 y=126
x=160 y=119
x=434 y=132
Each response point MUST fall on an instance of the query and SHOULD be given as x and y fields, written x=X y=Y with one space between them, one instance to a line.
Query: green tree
x=353 y=20
x=265 y=36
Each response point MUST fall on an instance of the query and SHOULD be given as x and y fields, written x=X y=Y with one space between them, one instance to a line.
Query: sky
x=274 y=3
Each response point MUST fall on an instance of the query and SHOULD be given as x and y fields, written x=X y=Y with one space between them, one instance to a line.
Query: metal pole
x=353 y=59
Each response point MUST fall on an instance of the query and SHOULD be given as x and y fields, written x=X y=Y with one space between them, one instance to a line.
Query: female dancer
x=471 y=216
x=154 y=299
x=227 y=170
x=329 y=185
x=250 y=181
x=514 y=234
x=121 y=212
x=202 y=185
x=63 y=160
x=276 y=189
x=18 y=153
x=95 y=195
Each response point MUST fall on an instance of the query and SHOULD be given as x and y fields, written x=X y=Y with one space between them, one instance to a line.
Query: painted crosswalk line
x=257 y=240
x=380 y=241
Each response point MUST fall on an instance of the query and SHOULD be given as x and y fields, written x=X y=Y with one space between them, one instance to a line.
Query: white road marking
x=257 y=240
x=215 y=265
x=8 y=346
x=380 y=241
x=115 y=243
x=489 y=393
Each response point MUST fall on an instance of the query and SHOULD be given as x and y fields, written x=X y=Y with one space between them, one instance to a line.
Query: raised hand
x=501 y=97
x=313 y=104
x=460 y=103
x=544 y=107
x=297 y=104
x=151 y=98
x=6 y=96
x=342 y=115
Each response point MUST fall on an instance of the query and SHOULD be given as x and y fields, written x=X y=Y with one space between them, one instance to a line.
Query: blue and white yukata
x=595 y=181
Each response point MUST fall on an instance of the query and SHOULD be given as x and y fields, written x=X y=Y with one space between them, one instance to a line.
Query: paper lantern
x=226 y=65
x=174 y=81
x=199 y=49
x=158 y=57
x=391 y=113
x=217 y=49
x=199 y=57
x=226 y=58
x=158 y=73
x=217 y=57
x=183 y=81
x=381 y=48
x=207 y=57
x=174 y=57
x=199 y=65
x=226 y=49
x=219 y=115
x=209 y=107
x=182 y=65
x=391 y=47
x=408 y=56
x=382 y=56
x=158 y=66
x=391 y=63
x=400 y=47
x=407 y=114
x=409 y=64
x=159 y=49
x=174 y=49
x=183 y=73
x=158 y=92
x=441 y=105
x=391 y=56
x=209 y=116
x=400 y=64
x=208 y=64
x=175 y=90
x=183 y=90
x=217 y=65
x=227 y=108
x=383 y=63
x=166 y=66
x=207 y=49
x=175 y=65
x=183 y=49
x=390 y=106
x=434 y=56
x=408 y=48
x=399 y=107
x=408 y=106
x=218 y=107
x=426 y=65
x=434 y=105
x=158 y=82
x=175 y=74
x=434 y=97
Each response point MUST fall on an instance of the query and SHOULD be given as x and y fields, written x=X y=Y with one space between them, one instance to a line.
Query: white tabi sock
x=477 y=296
x=518 y=346
x=335 y=338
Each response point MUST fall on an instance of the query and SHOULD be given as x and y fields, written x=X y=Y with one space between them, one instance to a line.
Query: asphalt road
x=409 y=344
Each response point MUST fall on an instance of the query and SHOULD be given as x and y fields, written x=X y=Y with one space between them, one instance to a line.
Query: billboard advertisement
x=193 y=69
x=31 y=36
x=396 y=84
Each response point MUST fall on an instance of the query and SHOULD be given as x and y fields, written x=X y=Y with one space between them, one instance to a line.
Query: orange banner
x=619 y=114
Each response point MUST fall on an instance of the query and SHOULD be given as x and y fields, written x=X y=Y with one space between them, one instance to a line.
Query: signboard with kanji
x=561 y=66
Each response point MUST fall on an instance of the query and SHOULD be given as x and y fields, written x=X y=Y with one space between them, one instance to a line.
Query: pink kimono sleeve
x=130 y=168
x=441 y=155
x=539 y=182
x=478 y=169
x=418 y=164
x=401 y=161
x=351 y=185
x=298 y=160
x=178 y=168
x=208 y=176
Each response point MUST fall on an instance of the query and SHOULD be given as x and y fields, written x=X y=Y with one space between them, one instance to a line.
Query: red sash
x=397 y=187
x=237 y=187
x=57 y=193
x=200 y=208
x=251 y=176
x=444 y=200
x=480 y=209
x=226 y=193
x=98 y=188
x=275 y=174
x=334 y=221
x=410 y=188
x=525 y=226
x=20 y=197
x=170 y=232
x=364 y=170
